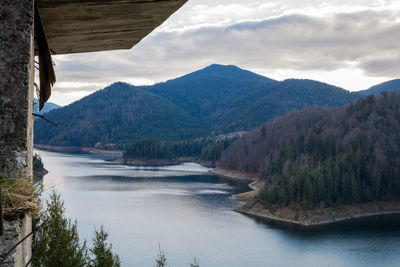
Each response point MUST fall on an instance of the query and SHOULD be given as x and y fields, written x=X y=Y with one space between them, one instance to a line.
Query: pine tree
x=103 y=255
x=60 y=244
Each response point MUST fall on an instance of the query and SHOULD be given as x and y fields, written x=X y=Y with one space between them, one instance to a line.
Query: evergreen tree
x=103 y=255
x=60 y=244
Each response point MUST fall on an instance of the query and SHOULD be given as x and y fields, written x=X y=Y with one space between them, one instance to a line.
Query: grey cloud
x=389 y=66
x=369 y=40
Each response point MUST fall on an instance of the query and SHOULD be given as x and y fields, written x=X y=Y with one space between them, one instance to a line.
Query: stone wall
x=16 y=122
x=14 y=231
x=16 y=92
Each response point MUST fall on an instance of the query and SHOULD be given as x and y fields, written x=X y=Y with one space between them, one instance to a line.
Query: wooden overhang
x=75 y=26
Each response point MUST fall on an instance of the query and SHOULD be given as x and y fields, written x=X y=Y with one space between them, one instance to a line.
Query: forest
x=325 y=157
x=214 y=100
x=206 y=149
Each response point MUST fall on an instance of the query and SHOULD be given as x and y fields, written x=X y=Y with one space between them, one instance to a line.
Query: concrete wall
x=16 y=106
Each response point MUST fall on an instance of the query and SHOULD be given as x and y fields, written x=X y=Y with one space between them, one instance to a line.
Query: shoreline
x=234 y=174
x=322 y=223
x=77 y=149
x=153 y=162
x=316 y=218
x=307 y=219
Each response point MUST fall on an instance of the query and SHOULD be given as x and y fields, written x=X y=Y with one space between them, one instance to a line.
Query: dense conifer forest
x=204 y=149
x=325 y=157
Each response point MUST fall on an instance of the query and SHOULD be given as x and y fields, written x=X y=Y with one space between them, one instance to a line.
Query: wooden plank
x=74 y=26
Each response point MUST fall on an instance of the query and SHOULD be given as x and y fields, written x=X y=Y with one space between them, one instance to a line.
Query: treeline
x=203 y=148
x=350 y=155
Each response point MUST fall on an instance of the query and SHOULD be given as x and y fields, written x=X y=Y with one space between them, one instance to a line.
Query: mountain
x=216 y=99
x=227 y=98
x=48 y=106
x=267 y=102
x=325 y=157
x=389 y=86
x=210 y=93
x=120 y=113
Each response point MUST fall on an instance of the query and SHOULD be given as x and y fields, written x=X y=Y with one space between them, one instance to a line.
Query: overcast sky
x=353 y=44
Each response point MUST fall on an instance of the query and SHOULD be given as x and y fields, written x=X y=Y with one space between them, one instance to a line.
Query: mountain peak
x=221 y=67
x=119 y=84
x=230 y=72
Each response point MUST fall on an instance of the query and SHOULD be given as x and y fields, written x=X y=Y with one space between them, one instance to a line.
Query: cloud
x=296 y=42
x=366 y=41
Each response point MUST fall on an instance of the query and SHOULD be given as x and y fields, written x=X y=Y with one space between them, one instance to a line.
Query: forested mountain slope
x=118 y=114
x=217 y=99
x=210 y=93
x=277 y=99
x=228 y=99
x=389 y=86
x=338 y=156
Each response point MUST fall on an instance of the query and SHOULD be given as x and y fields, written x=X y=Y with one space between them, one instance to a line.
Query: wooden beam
x=74 y=26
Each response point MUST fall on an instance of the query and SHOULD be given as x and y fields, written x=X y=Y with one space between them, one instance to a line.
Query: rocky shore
x=288 y=216
x=39 y=173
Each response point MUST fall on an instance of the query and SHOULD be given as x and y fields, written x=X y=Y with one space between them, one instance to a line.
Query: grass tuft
x=19 y=197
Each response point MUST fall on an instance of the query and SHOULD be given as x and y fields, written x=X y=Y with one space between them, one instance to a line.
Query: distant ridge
x=389 y=86
x=48 y=106
x=216 y=99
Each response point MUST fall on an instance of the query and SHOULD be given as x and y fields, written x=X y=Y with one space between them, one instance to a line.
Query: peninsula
x=318 y=166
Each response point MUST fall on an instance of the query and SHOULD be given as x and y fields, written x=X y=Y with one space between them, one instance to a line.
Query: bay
x=188 y=213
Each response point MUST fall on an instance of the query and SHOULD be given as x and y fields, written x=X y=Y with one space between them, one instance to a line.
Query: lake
x=188 y=212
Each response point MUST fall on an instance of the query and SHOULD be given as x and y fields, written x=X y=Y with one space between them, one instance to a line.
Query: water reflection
x=189 y=212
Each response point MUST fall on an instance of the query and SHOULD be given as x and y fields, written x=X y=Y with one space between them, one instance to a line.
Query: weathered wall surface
x=16 y=94
x=14 y=231
x=16 y=122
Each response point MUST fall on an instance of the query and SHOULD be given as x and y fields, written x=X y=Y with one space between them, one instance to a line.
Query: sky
x=353 y=44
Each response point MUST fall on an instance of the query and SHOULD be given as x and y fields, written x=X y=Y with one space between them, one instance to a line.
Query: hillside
x=389 y=86
x=217 y=99
x=277 y=99
x=210 y=93
x=322 y=158
x=228 y=99
x=118 y=114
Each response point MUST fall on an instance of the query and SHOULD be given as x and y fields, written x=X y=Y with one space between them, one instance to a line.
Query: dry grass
x=19 y=197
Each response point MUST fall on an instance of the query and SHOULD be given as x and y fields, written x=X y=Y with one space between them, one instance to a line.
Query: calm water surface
x=188 y=212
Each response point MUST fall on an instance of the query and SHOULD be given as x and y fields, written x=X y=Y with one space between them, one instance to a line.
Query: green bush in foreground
x=61 y=245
